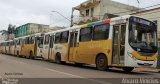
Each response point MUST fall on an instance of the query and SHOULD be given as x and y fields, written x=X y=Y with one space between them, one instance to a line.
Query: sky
x=19 y=12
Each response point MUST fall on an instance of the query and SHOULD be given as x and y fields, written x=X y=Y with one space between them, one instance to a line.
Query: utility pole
x=138 y=5
x=72 y=17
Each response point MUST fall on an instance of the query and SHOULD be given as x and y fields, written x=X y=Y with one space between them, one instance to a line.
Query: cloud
x=20 y=12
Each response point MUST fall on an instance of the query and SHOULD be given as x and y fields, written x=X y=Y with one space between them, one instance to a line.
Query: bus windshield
x=142 y=35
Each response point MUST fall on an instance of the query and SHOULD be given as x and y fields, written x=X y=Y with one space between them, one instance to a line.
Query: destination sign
x=142 y=21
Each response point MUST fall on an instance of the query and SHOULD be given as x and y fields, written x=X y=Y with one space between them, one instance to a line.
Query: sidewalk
x=147 y=70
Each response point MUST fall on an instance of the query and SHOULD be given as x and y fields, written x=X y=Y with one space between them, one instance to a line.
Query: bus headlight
x=129 y=54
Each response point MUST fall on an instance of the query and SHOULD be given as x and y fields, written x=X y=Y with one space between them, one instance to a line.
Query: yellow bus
x=3 y=44
x=11 y=47
x=7 y=47
x=1 y=47
x=18 y=46
x=124 y=42
x=29 y=46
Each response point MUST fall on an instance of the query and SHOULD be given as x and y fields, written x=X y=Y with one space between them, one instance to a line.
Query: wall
x=31 y=28
x=105 y=7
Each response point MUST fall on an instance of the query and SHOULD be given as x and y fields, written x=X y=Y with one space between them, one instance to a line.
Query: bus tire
x=31 y=55
x=101 y=62
x=18 y=54
x=58 y=58
x=128 y=69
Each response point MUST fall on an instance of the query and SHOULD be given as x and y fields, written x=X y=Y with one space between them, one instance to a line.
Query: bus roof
x=90 y=24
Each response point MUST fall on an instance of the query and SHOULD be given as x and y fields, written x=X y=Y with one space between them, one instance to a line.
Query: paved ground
x=15 y=67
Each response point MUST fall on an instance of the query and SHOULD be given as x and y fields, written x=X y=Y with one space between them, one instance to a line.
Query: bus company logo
x=9 y=81
x=94 y=46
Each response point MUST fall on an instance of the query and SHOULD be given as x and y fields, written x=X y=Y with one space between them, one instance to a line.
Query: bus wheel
x=58 y=58
x=17 y=53
x=102 y=62
x=31 y=55
x=128 y=69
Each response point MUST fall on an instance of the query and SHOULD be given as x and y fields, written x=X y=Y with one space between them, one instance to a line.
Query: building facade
x=31 y=28
x=93 y=10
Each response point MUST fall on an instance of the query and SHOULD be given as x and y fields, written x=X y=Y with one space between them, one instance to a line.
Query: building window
x=85 y=34
x=92 y=11
x=101 y=32
x=87 y=12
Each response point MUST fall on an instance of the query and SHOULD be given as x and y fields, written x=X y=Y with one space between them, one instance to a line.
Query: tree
x=3 y=32
x=10 y=31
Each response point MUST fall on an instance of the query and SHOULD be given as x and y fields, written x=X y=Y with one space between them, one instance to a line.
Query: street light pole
x=72 y=17
x=63 y=16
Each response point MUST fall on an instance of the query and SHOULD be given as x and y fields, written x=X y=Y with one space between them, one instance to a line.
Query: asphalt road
x=15 y=67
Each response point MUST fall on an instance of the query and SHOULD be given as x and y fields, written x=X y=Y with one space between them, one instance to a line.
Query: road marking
x=64 y=73
x=77 y=76
x=19 y=62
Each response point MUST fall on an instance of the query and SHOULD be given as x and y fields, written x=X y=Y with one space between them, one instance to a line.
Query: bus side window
x=46 y=39
x=101 y=32
x=32 y=39
x=22 y=41
x=27 y=40
x=57 y=37
x=19 y=42
x=64 y=37
x=85 y=34
x=51 y=41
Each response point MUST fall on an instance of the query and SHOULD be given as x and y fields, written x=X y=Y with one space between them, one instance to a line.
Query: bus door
x=118 y=47
x=46 y=47
x=51 y=43
x=39 y=46
x=72 y=46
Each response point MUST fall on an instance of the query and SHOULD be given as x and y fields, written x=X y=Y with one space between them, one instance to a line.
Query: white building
x=93 y=10
x=3 y=37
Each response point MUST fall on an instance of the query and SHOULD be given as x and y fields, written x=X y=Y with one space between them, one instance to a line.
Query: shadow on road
x=114 y=70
